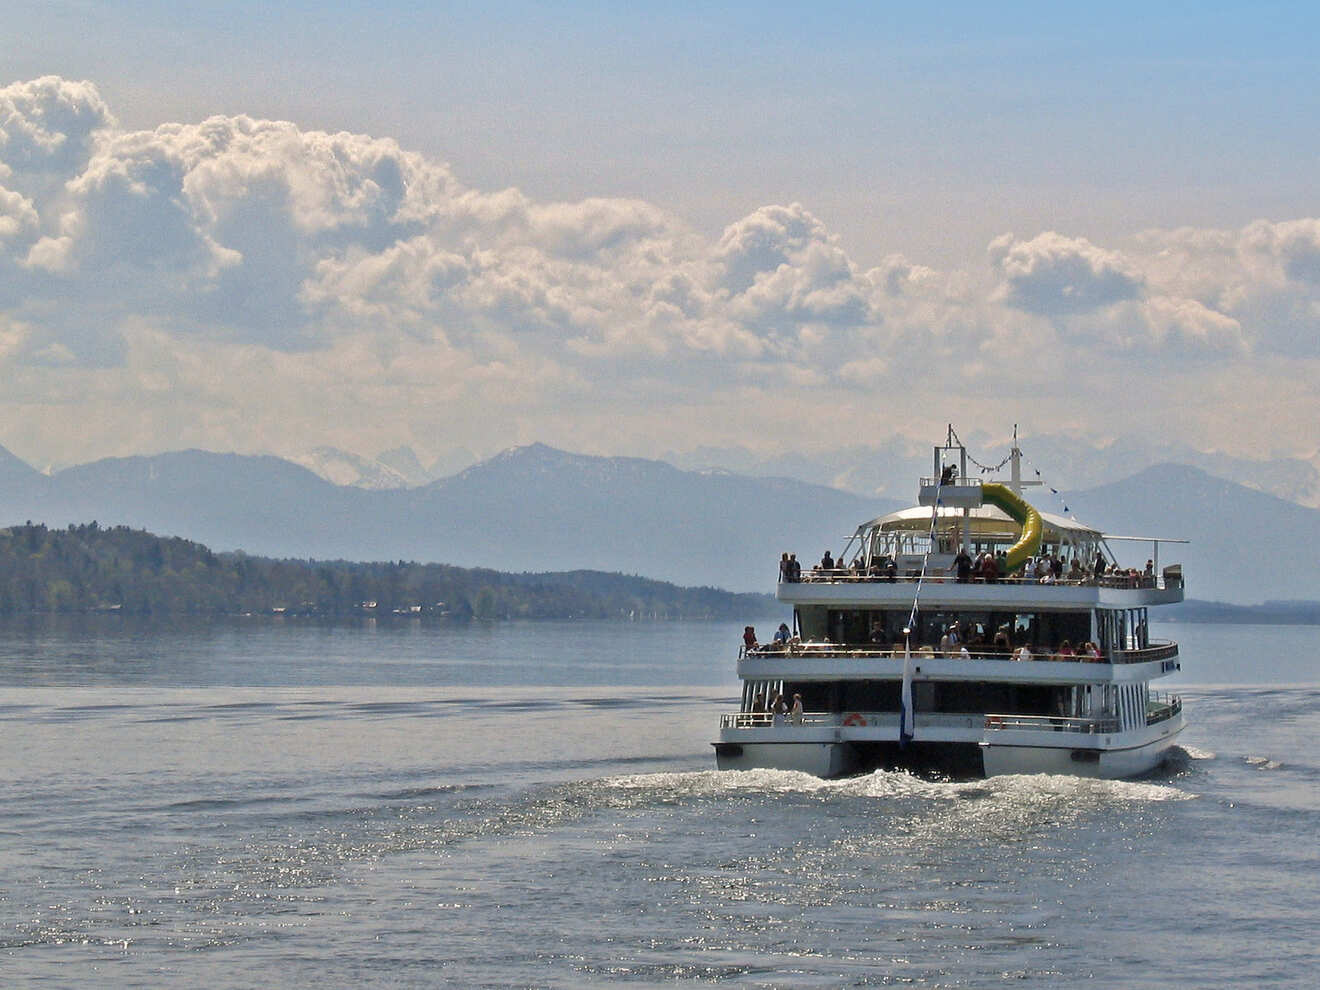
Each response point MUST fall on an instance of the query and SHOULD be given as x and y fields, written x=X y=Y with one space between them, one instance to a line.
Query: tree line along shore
x=94 y=569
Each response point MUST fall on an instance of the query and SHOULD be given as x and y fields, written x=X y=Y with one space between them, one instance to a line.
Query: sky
x=632 y=229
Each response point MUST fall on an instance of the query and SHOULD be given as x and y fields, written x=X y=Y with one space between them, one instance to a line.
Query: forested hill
x=90 y=569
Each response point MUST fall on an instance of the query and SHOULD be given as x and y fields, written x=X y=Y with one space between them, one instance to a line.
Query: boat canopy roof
x=986 y=519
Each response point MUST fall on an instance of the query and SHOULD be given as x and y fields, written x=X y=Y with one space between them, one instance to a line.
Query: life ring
x=852 y=718
x=993 y=722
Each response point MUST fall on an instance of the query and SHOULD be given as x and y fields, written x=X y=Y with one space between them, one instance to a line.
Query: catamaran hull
x=815 y=758
x=998 y=755
x=1117 y=763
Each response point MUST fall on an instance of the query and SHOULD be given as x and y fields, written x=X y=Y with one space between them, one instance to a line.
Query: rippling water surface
x=533 y=805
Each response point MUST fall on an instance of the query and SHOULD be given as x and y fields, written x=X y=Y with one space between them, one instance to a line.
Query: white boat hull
x=817 y=759
x=1002 y=751
x=1133 y=757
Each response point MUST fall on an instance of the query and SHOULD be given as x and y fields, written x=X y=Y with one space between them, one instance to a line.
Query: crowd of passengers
x=956 y=643
x=987 y=567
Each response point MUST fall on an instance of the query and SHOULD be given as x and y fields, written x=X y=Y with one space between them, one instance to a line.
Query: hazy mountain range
x=1065 y=463
x=397 y=468
x=536 y=508
x=884 y=468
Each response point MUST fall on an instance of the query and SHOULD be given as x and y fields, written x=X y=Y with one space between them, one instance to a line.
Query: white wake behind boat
x=904 y=656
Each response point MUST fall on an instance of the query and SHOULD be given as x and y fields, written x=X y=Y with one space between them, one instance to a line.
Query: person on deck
x=963 y=564
x=949 y=642
x=749 y=637
x=795 y=715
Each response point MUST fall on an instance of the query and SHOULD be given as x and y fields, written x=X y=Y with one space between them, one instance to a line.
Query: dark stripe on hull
x=943 y=759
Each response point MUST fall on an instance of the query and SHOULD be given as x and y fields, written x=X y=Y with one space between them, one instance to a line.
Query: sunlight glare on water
x=407 y=822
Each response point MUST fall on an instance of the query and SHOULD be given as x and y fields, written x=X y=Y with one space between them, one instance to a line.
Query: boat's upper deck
x=847 y=587
x=976 y=544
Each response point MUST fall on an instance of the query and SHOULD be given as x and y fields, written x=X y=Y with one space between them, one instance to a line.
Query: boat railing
x=1036 y=723
x=1152 y=651
x=846 y=575
x=839 y=651
x=1052 y=723
x=1161 y=709
x=956 y=482
x=764 y=720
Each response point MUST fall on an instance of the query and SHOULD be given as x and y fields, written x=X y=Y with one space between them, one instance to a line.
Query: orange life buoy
x=993 y=722
x=852 y=718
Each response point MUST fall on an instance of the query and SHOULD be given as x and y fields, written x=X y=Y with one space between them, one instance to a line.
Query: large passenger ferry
x=969 y=635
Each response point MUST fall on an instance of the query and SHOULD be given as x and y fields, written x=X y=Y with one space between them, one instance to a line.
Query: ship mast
x=1015 y=481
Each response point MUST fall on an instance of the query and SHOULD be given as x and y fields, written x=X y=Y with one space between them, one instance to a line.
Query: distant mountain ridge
x=342 y=468
x=527 y=509
x=1067 y=462
x=536 y=508
x=1246 y=546
x=396 y=468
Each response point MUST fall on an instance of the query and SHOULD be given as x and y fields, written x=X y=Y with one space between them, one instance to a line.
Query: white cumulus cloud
x=138 y=262
x=1055 y=275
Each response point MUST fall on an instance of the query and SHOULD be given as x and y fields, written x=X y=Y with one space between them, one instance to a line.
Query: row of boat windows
x=1042 y=631
x=884 y=627
x=948 y=541
x=883 y=696
x=1127 y=702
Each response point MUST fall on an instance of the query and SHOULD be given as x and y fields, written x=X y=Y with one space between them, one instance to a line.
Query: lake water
x=247 y=803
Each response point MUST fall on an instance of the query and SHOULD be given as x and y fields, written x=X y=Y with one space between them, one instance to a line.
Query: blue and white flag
x=906 y=723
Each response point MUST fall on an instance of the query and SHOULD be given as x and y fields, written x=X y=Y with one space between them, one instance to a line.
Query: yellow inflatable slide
x=1021 y=512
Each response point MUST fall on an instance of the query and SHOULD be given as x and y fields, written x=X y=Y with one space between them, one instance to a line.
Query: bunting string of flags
x=993 y=468
x=985 y=468
x=1053 y=491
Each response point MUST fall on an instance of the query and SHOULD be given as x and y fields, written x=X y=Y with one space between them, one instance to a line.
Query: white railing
x=1159 y=709
x=764 y=720
x=1051 y=723
x=834 y=651
x=846 y=575
x=992 y=723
